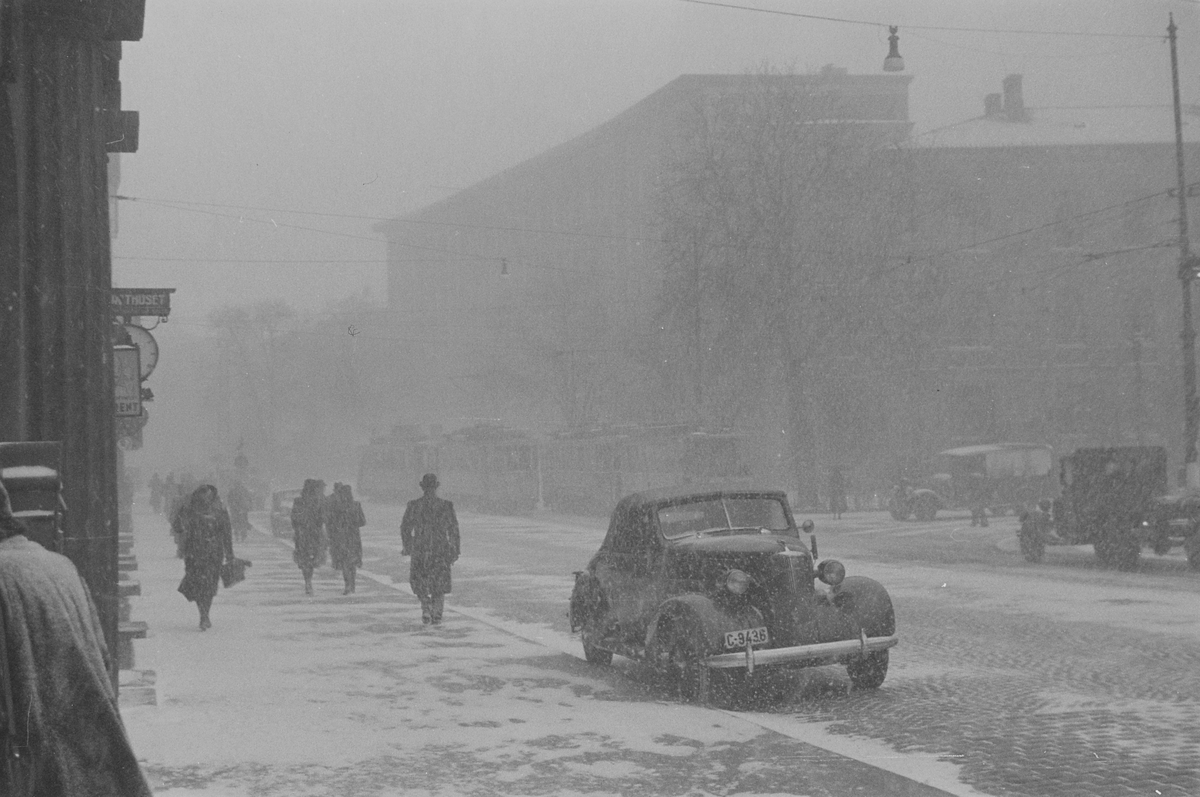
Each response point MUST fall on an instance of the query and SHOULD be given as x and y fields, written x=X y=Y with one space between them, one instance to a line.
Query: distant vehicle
x=714 y=586
x=1001 y=478
x=281 y=512
x=1117 y=500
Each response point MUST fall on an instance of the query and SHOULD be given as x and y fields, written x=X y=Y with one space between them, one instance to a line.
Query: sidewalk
x=352 y=695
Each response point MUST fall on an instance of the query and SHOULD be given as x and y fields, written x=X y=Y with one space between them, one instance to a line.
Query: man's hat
x=429 y=481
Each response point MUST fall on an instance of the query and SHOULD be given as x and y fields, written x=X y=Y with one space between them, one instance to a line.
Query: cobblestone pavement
x=1024 y=704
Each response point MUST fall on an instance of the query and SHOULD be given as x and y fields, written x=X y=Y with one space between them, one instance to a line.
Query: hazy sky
x=372 y=109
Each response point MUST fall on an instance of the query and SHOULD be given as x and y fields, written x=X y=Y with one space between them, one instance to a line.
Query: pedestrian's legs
x=437 y=603
x=353 y=573
x=348 y=579
x=426 y=609
x=308 y=574
x=204 y=605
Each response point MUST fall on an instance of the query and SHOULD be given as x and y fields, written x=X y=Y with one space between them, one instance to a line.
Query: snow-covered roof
x=1067 y=126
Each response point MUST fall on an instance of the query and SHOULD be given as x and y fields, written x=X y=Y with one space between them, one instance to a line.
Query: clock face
x=147 y=346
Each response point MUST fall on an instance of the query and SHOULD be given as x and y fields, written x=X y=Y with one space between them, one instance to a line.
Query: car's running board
x=751 y=658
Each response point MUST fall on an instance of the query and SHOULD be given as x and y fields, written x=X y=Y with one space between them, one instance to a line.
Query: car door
x=627 y=570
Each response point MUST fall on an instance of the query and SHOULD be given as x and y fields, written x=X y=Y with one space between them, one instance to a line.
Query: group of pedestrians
x=429 y=536
x=320 y=522
x=325 y=528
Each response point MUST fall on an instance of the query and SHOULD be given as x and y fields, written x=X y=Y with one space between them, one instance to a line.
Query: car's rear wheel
x=868 y=672
x=675 y=655
x=926 y=509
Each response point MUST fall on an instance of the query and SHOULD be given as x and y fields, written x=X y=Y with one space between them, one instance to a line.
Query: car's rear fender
x=703 y=617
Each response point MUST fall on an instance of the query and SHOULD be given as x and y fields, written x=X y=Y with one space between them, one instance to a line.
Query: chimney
x=1014 y=102
x=992 y=105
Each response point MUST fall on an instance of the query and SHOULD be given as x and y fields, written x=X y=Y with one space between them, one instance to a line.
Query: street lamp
x=894 y=62
x=1188 y=264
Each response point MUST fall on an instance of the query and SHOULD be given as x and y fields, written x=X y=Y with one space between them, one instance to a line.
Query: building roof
x=875 y=100
x=1067 y=126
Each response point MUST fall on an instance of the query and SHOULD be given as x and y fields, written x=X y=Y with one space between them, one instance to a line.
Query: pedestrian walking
x=837 y=493
x=204 y=534
x=308 y=526
x=344 y=519
x=61 y=733
x=429 y=535
x=239 y=501
x=156 y=493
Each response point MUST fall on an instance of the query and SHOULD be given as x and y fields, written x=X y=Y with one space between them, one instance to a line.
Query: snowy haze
x=368 y=110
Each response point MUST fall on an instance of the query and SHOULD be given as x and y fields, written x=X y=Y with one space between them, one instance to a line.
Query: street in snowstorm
x=1011 y=678
x=275 y=273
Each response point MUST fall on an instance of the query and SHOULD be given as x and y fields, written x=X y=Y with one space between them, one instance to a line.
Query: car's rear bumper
x=821 y=651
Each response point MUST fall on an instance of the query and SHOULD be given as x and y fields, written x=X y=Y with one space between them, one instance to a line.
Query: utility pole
x=1188 y=264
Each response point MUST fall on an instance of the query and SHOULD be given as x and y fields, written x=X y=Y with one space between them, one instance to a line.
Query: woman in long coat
x=308 y=521
x=205 y=539
x=344 y=519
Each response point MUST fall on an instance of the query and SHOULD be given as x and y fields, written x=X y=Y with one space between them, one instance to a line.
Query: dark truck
x=1117 y=500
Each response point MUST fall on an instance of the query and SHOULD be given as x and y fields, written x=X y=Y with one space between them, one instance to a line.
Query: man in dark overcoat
x=429 y=534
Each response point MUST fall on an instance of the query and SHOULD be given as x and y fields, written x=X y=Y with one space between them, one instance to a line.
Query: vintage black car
x=281 y=512
x=714 y=586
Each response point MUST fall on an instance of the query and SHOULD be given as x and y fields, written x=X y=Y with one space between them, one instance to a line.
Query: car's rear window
x=722 y=514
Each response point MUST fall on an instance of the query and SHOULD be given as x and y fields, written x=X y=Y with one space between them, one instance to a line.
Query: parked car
x=281 y=512
x=712 y=588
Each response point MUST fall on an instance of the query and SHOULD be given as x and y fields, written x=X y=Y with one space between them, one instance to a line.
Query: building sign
x=127 y=381
x=141 y=301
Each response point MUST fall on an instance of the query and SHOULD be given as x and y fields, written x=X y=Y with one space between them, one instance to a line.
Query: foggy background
x=273 y=135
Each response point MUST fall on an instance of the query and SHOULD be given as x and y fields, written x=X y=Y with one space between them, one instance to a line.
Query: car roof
x=669 y=495
x=968 y=451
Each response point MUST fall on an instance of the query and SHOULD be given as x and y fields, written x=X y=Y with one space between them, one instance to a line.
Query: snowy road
x=1011 y=679
x=1059 y=678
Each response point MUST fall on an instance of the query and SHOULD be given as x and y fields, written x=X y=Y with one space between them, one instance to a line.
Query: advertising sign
x=127 y=381
x=141 y=301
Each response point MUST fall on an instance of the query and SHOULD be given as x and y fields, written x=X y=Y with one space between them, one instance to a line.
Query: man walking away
x=429 y=534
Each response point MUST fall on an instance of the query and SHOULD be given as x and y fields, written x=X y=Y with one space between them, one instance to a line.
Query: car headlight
x=737 y=582
x=832 y=572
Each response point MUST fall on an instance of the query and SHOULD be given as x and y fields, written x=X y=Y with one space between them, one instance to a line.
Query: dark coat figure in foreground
x=308 y=525
x=59 y=712
x=239 y=501
x=204 y=535
x=343 y=520
x=429 y=534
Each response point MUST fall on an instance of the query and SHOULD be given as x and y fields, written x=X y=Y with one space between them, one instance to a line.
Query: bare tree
x=782 y=225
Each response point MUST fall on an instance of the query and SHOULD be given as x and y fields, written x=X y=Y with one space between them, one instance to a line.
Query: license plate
x=747 y=636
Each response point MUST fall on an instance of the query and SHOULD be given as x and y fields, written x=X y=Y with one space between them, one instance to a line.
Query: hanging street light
x=894 y=62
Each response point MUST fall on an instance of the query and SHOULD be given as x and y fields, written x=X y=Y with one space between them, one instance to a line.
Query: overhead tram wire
x=456 y=256
x=945 y=28
x=899 y=261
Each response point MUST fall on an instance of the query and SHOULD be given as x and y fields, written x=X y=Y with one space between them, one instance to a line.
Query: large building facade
x=1039 y=242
